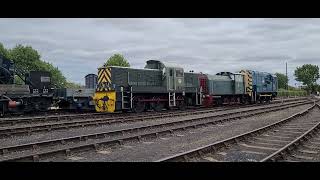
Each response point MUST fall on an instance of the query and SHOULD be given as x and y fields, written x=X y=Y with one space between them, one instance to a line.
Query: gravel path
x=154 y=149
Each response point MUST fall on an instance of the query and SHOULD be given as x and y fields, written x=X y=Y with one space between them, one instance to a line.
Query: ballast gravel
x=157 y=148
x=56 y=134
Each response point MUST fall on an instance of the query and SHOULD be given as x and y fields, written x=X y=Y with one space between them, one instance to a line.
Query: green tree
x=117 y=60
x=6 y=54
x=72 y=85
x=28 y=59
x=58 y=80
x=308 y=74
x=282 y=80
x=25 y=58
x=3 y=51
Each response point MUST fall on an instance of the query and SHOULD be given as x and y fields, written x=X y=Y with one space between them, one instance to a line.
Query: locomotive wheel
x=43 y=106
x=246 y=101
x=242 y=101
x=158 y=106
x=268 y=101
x=38 y=106
x=181 y=105
x=138 y=107
x=2 y=110
x=261 y=101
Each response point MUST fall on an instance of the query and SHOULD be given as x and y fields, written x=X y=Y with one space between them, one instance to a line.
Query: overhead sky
x=80 y=46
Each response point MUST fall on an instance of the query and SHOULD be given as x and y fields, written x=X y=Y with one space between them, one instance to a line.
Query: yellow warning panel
x=105 y=101
x=247 y=81
x=104 y=75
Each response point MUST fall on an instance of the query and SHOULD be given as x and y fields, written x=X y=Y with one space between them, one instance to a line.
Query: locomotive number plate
x=45 y=79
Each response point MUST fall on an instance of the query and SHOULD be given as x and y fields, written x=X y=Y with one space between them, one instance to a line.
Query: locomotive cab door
x=171 y=81
x=175 y=79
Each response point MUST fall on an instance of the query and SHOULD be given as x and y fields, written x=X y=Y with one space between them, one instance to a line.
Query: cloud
x=79 y=46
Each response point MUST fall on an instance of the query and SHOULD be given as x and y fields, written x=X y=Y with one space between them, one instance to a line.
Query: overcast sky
x=80 y=46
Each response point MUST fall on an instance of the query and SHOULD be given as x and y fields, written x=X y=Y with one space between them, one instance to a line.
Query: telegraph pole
x=287 y=76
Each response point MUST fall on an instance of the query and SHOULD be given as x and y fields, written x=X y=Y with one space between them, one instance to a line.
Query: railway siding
x=257 y=145
x=87 y=144
x=28 y=129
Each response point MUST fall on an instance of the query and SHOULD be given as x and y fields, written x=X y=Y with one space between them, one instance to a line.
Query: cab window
x=171 y=72
x=179 y=73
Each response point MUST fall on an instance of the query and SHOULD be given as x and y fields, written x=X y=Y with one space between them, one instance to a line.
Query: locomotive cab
x=172 y=75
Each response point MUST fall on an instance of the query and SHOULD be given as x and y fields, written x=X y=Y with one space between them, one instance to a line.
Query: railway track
x=92 y=115
x=270 y=143
x=304 y=148
x=21 y=130
x=36 y=150
x=49 y=112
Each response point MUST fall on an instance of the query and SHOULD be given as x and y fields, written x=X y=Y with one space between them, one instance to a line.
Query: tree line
x=28 y=59
x=306 y=74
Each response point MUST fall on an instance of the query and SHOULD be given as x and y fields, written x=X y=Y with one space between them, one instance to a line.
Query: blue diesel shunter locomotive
x=260 y=86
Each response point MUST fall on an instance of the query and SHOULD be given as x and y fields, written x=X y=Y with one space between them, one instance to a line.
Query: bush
x=285 y=93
